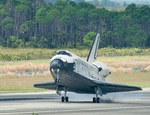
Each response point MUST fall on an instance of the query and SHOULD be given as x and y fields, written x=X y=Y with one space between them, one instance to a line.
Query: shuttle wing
x=48 y=85
x=93 y=52
x=110 y=88
x=105 y=87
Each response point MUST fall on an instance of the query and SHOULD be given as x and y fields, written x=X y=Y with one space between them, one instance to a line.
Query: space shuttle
x=73 y=74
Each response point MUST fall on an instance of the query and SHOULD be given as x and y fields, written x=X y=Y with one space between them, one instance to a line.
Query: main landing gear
x=98 y=92
x=65 y=98
x=96 y=100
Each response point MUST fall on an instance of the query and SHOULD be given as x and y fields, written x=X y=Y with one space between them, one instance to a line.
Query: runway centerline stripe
x=77 y=110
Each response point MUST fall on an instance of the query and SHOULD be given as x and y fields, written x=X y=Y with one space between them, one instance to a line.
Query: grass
x=141 y=79
x=7 y=54
x=123 y=58
x=22 y=83
x=35 y=61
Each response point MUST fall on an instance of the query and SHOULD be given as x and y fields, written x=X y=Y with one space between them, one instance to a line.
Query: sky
x=131 y=1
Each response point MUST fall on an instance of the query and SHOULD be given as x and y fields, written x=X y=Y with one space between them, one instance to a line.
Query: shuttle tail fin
x=94 y=49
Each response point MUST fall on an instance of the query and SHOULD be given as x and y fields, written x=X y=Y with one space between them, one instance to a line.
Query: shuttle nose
x=56 y=64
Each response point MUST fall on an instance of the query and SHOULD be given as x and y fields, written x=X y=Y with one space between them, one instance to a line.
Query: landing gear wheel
x=62 y=99
x=98 y=93
x=67 y=99
x=97 y=100
x=94 y=100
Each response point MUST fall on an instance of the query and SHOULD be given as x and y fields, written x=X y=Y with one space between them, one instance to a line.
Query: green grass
x=141 y=79
x=36 y=61
x=123 y=58
x=22 y=83
x=7 y=54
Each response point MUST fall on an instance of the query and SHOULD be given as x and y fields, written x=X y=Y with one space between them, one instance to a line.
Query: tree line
x=37 y=24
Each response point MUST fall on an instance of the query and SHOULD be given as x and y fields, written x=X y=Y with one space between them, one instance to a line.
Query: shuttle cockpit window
x=64 y=53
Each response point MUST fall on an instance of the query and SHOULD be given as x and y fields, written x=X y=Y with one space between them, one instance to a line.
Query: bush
x=15 y=42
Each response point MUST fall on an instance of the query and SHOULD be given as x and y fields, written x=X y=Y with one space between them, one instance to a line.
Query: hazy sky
x=131 y=1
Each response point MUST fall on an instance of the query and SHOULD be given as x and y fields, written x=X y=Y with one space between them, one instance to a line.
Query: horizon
x=129 y=1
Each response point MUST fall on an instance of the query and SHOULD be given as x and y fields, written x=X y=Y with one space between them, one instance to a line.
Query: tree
x=63 y=24
x=130 y=9
x=40 y=14
x=136 y=36
x=88 y=38
x=7 y=23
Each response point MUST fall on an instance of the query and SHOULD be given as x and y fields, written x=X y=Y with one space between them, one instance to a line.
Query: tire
x=94 y=100
x=97 y=100
x=62 y=99
x=67 y=99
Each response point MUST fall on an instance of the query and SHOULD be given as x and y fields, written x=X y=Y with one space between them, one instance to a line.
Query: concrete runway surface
x=48 y=103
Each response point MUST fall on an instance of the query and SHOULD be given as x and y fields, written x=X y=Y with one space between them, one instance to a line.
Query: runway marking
x=30 y=93
x=77 y=110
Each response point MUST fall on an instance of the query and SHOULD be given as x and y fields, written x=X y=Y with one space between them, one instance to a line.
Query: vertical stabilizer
x=93 y=52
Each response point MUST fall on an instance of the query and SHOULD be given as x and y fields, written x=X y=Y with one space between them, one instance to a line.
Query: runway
x=46 y=103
